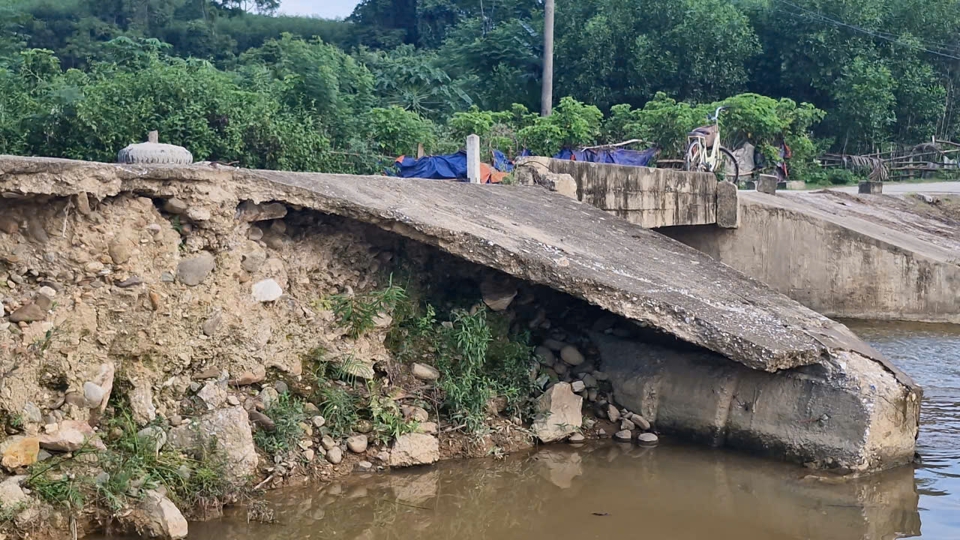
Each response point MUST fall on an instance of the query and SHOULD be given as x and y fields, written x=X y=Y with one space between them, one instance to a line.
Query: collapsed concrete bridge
x=772 y=375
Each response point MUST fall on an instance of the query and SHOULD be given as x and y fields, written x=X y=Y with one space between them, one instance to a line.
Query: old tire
x=155 y=154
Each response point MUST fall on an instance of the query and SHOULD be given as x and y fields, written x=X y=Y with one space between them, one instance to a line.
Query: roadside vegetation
x=82 y=79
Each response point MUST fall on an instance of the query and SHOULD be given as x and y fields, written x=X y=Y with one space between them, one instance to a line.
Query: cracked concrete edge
x=30 y=177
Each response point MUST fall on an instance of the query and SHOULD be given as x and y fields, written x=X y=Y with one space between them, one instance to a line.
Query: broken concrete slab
x=847 y=413
x=526 y=232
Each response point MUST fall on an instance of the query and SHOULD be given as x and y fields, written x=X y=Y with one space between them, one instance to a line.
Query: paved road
x=892 y=189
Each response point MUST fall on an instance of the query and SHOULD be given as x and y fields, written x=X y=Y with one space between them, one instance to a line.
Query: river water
x=671 y=492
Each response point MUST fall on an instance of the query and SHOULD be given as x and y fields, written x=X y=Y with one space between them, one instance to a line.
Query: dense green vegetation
x=234 y=83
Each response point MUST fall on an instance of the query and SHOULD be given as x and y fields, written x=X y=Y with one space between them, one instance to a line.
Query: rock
x=209 y=326
x=9 y=225
x=268 y=396
x=613 y=414
x=266 y=291
x=36 y=232
x=281 y=387
x=578 y=386
x=163 y=518
x=213 y=395
x=250 y=211
x=141 y=403
x=363 y=426
x=31 y=413
x=318 y=421
x=571 y=355
x=28 y=314
x=327 y=442
x=262 y=421
x=70 y=436
x=175 y=206
x=175 y=420
x=623 y=435
x=154 y=300
x=252 y=260
x=415 y=413
x=93 y=394
x=233 y=400
x=626 y=425
x=429 y=428
x=558 y=413
x=198 y=214
x=365 y=466
x=545 y=356
x=309 y=454
x=11 y=496
x=253 y=376
x=131 y=281
x=229 y=429
x=554 y=345
x=647 y=439
x=193 y=271
x=153 y=437
x=93 y=267
x=414 y=449
x=357 y=444
x=590 y=381
x=425 y=372
x=498 y=293
x=577 y=437
x=335 y=455
x=104 y=380
x=121 y=248
x=19 y=451
x=44 y=302
x=639 y=421
x=49 y=292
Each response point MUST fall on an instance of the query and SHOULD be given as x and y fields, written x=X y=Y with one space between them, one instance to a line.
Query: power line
x=819 y=17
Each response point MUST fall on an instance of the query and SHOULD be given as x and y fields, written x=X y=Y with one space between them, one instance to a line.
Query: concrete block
x=728 y=205
x=871 y=188
x=796 y=185
x=849 y=412
x=767 y=184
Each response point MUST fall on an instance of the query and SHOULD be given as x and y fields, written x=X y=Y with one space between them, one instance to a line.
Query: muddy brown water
x=674 y=492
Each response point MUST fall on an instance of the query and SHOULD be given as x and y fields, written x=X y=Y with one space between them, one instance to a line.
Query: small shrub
x=388 y=421
x=287 y=414
x=339 y=409
x=357 y=313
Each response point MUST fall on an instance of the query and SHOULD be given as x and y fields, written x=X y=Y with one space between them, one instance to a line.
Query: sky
x=323 y=8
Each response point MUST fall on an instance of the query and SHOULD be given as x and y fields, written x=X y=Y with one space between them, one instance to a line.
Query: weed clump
x=358 y=313
x=287 y=415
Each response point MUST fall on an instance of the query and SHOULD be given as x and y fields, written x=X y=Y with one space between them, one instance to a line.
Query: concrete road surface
x=893 y=188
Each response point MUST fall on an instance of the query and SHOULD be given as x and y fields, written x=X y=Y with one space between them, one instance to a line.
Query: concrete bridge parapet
x=651 y=198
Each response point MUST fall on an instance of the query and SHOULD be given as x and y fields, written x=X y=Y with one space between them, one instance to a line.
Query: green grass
x=60 y=490
x=287 y=414
x=357 y=313
x=339 y=408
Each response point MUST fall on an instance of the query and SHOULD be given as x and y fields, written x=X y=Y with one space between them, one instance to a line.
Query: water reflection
x=595 y=492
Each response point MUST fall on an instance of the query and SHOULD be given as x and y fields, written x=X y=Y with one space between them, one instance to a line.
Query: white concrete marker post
x=473 y=159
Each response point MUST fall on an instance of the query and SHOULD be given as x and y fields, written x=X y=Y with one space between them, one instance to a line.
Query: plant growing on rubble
x=339 y=408
x=358 y=313
x=388 y=420
x=287 y=415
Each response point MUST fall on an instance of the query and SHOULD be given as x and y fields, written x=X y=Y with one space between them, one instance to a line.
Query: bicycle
x=706 y=154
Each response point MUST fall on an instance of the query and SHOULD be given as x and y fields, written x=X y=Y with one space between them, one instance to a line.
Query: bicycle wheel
x=693 y=158
x=728 y=168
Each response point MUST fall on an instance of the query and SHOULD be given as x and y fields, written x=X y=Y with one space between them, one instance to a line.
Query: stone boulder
x=70 y=436
x=559 y=414
x=229 y=430
x=414 y=449
x=11 y=495
x=19 y=451
x=162 y=518
x=191 y=272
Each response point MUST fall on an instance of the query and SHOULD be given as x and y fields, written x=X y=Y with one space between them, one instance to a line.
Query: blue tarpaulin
x=617 y=156
x=454 y=166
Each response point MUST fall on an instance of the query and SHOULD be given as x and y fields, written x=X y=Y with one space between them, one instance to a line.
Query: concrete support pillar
x=767 y=183
x=871 y=188
x=473 y=159
x=728 y=205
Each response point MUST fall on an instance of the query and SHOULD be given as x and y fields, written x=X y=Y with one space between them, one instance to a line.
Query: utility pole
x=546 y=94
